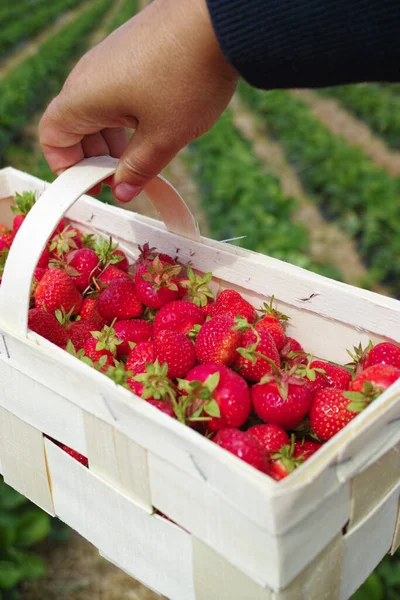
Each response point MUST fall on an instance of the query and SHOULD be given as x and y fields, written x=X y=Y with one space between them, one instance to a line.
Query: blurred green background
x=309 y=177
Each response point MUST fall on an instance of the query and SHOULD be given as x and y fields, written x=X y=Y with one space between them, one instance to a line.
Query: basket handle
x=41 y=221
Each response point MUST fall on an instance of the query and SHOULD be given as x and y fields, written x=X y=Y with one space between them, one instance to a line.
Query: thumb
x=141 y=161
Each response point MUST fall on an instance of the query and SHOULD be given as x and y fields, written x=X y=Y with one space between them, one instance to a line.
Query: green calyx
x=360 y=400
x=23 y=203
x=242 y=325
x=268 y=309
x=197 y=288
x=119 y=374
x=107 y=339
x=161 y=275
x=285 y=456
x=105 y=250
x=197 y=403
x=63 y=317
x=307 y=371
x=156 y=383
x=194 y=332
x=358 y=355
x=80 y=355
x=64 y=242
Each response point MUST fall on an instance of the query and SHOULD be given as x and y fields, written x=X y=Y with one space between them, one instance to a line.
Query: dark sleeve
x=309 y=43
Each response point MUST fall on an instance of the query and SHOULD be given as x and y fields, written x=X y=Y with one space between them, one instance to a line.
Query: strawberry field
x=322 y=187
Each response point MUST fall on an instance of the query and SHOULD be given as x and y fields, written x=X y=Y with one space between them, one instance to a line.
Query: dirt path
x=356 y=132
x=32 y=47
x=327 y=242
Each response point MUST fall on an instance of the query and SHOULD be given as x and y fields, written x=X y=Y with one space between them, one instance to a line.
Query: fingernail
x=124 y=192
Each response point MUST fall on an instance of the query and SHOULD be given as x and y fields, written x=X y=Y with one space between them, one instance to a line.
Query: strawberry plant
x=350 y=188
x=242 y=200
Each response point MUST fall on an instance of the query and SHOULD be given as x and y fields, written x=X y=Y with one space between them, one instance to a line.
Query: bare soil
x=356 y=132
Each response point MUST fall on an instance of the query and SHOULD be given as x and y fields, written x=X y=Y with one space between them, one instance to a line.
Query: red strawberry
x=305 y=448
x=284 y=462
x=292 y=353
x=244 y=447
x=119 y=301
x=83 y=265
x=147 y=255
x=89 y=312
x=217 y=341
x=108 y=252
x=271 y=437
x=141 y=355
x=111 y=273
x=79 y=457
x=209 y=310
x=381 y=376
x=134 y=330
x=250 y=364
x=79 y=331
x=274 y=322
x=22 y=205
x=215 y=392
x=7 y=238
x=337 y=377
x=3 y=245
x=176 y=350
x=157 y=283
x=383 y=353
x=281 y=399
x=314 y=377
x=17 y=222
x=163 y=406
x=123 y=260
x=99 y=344
x=231 y=304
x=46 y=325
x=56 y=290
x=154 y=384
x=178 y=316
x=38 y=273
x=44 y=258
x=330 y=413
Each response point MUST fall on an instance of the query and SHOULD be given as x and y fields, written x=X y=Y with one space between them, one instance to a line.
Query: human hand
x=162 y=73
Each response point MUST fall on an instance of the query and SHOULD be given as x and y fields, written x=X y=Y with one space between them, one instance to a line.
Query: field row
x=362 y=198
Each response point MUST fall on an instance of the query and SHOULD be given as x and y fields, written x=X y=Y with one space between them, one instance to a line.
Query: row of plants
x=12 y=11
x=241 y=199
x=33 y=22
x=349 y=187
x=27 y=87
x=127 y=10
x=377 y=104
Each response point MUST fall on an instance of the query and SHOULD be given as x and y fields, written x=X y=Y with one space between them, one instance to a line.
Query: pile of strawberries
x=216 y=364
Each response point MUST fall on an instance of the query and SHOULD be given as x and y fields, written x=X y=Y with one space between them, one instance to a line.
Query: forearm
x=309 y=43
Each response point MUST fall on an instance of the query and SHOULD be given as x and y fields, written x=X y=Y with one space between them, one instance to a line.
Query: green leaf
x=8 y=537
x=212 y=409
x=32 y=566
x=10 y=574
x=10 y=498
x=33 y=526
x=212 y=381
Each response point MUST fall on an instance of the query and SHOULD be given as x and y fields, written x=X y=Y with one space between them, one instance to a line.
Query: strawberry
x=154 y=384
x=385 y=353
x=3 y=245
x=108 y=252
x=314 y=377
x=244 y=447
x=337 y=377
x=101 y=343
x=381 y=376
x=139 y=357
x=22 y=205
x=284 y=462
x=119 y=301
x=147 y=255
x=44 y=258
x=195 y=288
x=305 y=448
x=64 y=241
x=79 y=331
x=56 y=290
x=122 y=263
x=257 y=351
x=82 y=266
x=163 y=406
x=79 y=457
x=178 y=315
x=110 y=273
x=157 y=283
x=46 y=325
x=231 y=304
x=217 y=341
x=271 y=437
x=274 y=322
x=330 y=413
x=209 y=309
x=292 y=353
x=7 y=238
x=281 y=399
x=216 y=393
x=176 y=350
x=134 y=331
x=38 y=273
x=89 y=312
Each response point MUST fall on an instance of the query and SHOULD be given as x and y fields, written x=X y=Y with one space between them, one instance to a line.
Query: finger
x=142 y=160
x=116 y=139
x=95 y=145
x=60 y=159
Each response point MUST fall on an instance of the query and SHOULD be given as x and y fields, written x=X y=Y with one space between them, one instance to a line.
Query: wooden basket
x=239 y=535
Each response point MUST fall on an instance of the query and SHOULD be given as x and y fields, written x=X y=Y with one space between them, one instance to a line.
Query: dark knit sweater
x=309 y=43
